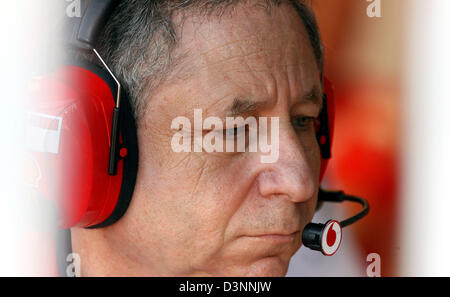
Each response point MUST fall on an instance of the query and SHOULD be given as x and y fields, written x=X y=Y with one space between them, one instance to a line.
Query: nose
x=292 y=176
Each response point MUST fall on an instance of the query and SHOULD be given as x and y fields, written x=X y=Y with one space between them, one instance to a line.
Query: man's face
x=199 y=213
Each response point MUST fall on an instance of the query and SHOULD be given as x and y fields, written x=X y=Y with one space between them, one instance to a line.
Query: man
x=212 y=213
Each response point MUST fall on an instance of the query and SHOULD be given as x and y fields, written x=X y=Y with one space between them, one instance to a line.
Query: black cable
x=340 y=196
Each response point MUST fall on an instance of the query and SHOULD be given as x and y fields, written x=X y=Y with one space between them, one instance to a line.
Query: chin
x=270 y=267
x=273 y=266
x=263 y=262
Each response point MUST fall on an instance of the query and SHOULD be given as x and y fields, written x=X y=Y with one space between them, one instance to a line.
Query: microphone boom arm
x=340 y=196
x=327 y=237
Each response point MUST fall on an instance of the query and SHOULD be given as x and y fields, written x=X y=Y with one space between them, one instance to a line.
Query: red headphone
x=85 y=144
x=73 y=112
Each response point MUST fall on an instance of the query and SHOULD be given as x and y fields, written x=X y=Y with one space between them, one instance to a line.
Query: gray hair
x=139 y=37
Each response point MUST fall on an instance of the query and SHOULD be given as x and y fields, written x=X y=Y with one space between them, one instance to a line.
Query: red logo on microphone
x=331 y=237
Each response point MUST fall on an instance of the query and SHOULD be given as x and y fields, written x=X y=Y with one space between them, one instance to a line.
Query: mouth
x=276 y=238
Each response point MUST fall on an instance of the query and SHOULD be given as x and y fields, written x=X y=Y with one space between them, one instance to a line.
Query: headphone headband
x=87 y=29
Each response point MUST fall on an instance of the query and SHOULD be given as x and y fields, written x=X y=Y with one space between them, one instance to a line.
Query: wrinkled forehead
x=248 y=37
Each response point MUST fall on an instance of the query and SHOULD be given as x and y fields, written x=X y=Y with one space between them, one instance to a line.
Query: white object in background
x=425 y=205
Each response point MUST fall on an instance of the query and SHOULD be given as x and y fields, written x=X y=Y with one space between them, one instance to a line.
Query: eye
x=304 y=122
x=234 y=132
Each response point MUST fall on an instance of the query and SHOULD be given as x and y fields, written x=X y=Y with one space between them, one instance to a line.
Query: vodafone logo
x=331 y=237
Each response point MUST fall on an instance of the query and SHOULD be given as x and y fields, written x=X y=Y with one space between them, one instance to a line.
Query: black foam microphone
x=327 y=237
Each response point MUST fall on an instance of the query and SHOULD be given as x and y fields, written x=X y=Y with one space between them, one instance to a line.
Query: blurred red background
x=363 y=61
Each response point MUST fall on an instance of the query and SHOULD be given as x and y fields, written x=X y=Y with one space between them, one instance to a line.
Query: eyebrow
x=242 y=106
x=314 y=96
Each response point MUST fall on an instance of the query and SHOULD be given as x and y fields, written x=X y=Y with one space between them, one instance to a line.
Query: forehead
x=248 y=47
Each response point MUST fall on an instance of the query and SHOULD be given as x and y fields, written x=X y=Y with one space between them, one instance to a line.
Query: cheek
x=315 y=157
x=199 y=182
x=213 y=201
x=312 y=151
x=314 y=160
x=188 y=200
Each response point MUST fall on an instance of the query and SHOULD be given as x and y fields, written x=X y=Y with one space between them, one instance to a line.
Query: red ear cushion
x=73 y=108
x=328 y=89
